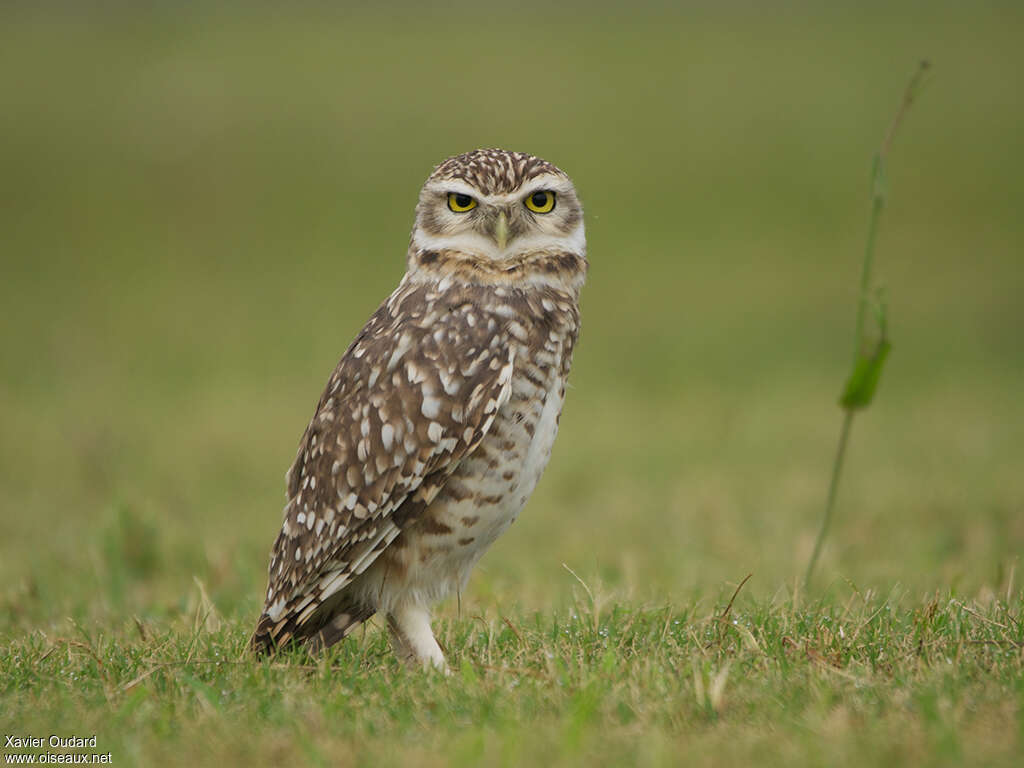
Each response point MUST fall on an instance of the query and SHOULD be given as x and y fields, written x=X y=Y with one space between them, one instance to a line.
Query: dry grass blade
x=725 y=613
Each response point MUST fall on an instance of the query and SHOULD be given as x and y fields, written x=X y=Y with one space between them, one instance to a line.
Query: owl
x=436 y=425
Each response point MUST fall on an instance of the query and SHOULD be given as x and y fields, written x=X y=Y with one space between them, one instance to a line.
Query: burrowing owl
x=439 y=420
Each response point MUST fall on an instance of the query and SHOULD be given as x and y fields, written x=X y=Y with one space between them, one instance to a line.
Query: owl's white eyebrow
x=459 y=187
x=547 y=181
x=456 y=187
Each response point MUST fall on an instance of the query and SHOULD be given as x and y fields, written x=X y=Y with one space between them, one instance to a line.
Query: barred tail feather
x=316 y=630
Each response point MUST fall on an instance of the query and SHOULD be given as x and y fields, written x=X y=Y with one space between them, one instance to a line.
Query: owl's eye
x=541 y=202
x=460 y=203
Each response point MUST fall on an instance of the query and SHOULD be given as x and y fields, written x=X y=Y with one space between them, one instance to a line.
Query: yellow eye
x=541 y=202
x=460 y=203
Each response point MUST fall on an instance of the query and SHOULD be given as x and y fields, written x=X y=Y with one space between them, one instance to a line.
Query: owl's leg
x=412 y=638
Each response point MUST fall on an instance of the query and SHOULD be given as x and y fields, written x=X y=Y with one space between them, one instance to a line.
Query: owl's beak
x=501 y=231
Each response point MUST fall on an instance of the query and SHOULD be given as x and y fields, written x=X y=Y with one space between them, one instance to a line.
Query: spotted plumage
x=439 y=419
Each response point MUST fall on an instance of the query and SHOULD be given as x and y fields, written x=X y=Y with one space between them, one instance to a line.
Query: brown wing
x=413 y=395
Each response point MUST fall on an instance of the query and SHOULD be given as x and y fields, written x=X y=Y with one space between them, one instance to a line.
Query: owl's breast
x=495 y=482
x=490 y=487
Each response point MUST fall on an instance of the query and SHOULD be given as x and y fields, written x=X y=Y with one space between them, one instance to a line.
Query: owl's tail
x=320 y=630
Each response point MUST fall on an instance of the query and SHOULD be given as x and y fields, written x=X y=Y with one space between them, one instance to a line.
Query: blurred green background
x=202 y=204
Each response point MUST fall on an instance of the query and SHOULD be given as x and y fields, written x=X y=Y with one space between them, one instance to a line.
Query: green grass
x=201 y=207
x=857 y=679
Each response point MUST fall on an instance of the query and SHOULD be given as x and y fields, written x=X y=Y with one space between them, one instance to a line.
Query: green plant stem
x=833 y=488
x=878 y=195
x=877 y=204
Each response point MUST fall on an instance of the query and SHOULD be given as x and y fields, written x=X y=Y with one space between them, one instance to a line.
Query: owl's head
x=496 y=209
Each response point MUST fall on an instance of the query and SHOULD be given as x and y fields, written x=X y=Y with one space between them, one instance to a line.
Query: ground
x=200 y=210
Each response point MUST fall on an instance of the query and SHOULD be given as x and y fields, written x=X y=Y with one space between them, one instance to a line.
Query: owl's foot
x=412 y=638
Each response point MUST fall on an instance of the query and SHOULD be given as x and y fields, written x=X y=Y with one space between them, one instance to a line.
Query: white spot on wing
x=404 y=343
x=431 y=407
x=275 y=609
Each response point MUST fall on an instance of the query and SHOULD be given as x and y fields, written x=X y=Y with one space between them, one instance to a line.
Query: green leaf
x=860 y=387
